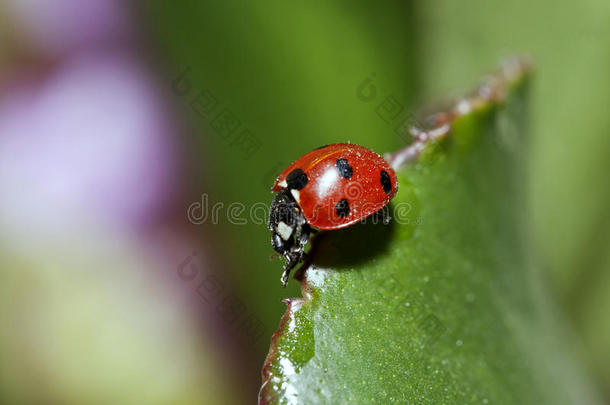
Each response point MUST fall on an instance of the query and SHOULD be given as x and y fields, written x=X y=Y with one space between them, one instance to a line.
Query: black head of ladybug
x=289 y=230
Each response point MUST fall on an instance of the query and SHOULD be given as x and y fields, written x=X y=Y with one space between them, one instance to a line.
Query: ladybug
x=331 y=187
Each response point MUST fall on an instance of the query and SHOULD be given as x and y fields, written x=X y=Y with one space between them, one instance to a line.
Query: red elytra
x=343 y=184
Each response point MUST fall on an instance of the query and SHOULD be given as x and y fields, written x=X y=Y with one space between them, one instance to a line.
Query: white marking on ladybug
x=283 y=184
x=296 y=195
x=284 y=230
x=327 y=181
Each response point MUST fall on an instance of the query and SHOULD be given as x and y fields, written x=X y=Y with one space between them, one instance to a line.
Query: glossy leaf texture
x=443 y=305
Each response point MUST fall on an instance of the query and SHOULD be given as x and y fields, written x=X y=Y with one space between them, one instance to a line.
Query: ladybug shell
x=339 y=184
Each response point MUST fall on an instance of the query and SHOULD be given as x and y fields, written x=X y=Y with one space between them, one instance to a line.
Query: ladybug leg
x=284 y=278
x=289 y=231
x=302 y=233
x=292 y=257
x=296 y=253
x=302 y=237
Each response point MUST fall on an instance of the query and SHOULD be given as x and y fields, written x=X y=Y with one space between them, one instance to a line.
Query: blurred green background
x=249 y=88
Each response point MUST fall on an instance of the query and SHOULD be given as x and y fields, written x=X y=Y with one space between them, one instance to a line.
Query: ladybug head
x=289 y=230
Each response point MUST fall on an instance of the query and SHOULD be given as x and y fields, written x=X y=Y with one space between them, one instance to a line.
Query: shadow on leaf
x=354 y=245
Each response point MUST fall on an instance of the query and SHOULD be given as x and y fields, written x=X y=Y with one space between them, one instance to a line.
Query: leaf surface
x=438 y=306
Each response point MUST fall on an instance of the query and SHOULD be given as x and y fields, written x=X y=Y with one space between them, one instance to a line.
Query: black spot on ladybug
x=342 y=208
x=345 y=170
x=296 y=179
x=386 y=183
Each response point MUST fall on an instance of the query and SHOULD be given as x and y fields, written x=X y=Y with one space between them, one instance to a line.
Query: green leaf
x=441 y=305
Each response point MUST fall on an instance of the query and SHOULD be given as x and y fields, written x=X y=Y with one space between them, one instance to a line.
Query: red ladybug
x=331 y=187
